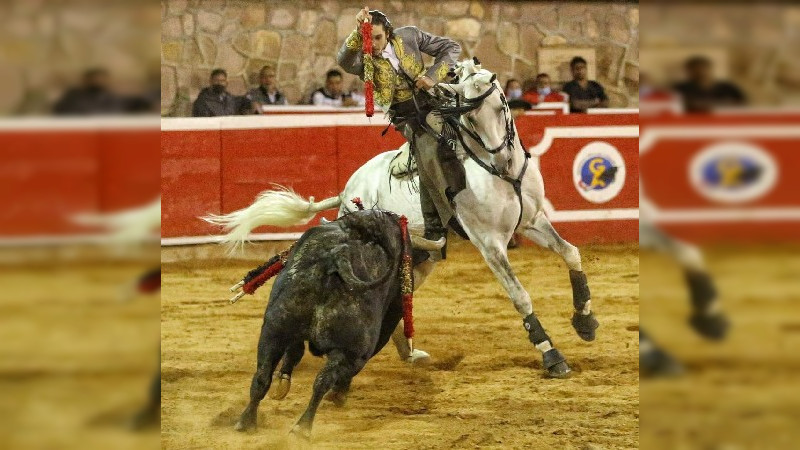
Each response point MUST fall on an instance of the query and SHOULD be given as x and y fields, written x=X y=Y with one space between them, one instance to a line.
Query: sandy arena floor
x=75 y=361
x=484 y=388
x=740 y=393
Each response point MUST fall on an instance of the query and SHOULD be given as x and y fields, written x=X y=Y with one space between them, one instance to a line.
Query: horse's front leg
x=707 y=317
x=494 y=252
x=541 y=231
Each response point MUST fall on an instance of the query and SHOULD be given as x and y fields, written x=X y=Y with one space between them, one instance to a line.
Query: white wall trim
x=79 y=123
x=599 y=132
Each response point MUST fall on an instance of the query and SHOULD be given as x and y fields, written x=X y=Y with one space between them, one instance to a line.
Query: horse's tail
x=280 y=207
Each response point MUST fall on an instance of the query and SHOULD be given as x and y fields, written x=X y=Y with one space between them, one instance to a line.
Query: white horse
x=490 y=209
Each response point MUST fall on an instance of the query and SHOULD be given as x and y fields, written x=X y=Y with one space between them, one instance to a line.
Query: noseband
x=471 y=104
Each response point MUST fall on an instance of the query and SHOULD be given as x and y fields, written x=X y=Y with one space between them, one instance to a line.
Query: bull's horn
x=421 y=243
x=345 y=269
x=324 y=221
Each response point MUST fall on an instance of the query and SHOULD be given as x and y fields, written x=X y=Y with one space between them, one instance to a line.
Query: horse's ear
x=494 y=77
x=476 y=61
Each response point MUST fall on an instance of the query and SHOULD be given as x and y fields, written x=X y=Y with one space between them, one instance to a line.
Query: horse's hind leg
x=270 y=352
x=542 y=232
x=707 y=318
x=282 y=381
x=494 y=252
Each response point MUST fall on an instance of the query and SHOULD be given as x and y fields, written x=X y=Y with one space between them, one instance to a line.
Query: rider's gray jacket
x=409 y=43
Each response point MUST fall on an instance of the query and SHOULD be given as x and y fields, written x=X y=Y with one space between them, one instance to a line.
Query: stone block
x=307 y=23
x=543 y=14
x=172 y=28
x=287 y=72
x=487 y=52
x=529 y=40
x=171 y=51
x=345 y=24
x=453 y=8
x=253 y=16
x=553 y=40
x=265 y=44
x=176 y=6
x=508 y=38
x=324 y=42
x=467 y=29
x=169 y=87
x=188 y=24
x=284 y=18
x=296 y=48
x=229 y=59
x=209 y=21
x=208 y=50
x=476 y=10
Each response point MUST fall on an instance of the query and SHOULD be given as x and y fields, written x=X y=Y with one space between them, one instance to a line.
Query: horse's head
x=483 y=109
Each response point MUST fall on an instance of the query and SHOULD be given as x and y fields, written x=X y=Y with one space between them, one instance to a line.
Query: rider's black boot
x=434 y=230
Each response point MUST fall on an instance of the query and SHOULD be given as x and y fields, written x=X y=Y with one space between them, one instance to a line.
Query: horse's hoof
x=280 y=386
x=555 y=364
x=657 y=363
x=301 y=433
x=713 y=327
x=339 y=399
x=242 y=426
x=584 y=325
x=418 y=358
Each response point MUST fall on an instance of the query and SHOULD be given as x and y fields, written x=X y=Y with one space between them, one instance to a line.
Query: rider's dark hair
x=333 y=73
x=379 y=18
x=575 y=61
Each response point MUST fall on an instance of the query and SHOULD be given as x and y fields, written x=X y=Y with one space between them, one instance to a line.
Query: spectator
x=267 y=92
x=702 y=93
x=583 y=93
x=541 y=91
x=92 y=97
x=215 y=100
x=513 y=89
x=332 y=94
x=649 y=91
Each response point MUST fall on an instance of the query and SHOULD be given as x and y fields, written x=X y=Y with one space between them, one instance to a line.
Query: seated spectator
x=541 y=91
x=513 y=89
x=583 y=93
x=93 y=96
x=215 y=100
x=267 y=92
x=332 y=94
x=702 y=93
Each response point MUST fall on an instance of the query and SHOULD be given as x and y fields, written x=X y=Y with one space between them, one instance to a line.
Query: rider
x=401 y=82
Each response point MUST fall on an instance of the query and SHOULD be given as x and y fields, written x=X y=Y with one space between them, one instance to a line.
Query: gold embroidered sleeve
x=353 y=41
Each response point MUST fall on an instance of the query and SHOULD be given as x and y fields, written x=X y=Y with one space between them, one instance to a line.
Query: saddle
x=403 y=166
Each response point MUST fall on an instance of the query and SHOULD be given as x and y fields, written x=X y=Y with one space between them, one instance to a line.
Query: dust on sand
x=484 y=387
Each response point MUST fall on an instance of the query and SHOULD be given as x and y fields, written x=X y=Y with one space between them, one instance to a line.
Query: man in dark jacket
x=702 y=93
x=215 y=100
x=267 y=92
x=93 y=96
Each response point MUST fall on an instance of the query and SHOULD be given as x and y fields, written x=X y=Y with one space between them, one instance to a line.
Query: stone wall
x=301 y=39
x=46 y=45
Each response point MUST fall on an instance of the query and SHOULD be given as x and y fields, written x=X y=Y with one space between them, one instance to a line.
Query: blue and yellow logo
x=597 y=173
x=731 y=172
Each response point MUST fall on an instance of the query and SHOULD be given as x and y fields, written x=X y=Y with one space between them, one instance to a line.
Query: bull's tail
x=280 y=207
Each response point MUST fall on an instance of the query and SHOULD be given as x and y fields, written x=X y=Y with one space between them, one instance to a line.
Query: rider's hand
x=363 y=14
x=424 y=82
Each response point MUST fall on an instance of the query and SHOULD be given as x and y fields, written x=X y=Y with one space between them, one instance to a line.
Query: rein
x=452 y=117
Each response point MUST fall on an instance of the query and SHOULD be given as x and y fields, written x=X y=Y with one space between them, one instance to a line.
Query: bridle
x=452 y=116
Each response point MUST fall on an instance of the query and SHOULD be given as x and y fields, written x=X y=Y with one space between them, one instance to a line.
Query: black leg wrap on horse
x=707 y=324
x=552 y=358
x=433 y=222
x=701 y=290
x=536 y=333
x=585 y=325
x=580 y=289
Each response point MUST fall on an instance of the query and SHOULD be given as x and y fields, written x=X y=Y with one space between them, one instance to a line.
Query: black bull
x=340 y=290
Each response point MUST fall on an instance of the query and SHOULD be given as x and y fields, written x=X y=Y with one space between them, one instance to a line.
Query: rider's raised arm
x=349 y=56
x=445 y=51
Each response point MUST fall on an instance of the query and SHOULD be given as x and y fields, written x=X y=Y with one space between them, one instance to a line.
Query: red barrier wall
x=678 y=163
x=52 y=169
x=315 y=156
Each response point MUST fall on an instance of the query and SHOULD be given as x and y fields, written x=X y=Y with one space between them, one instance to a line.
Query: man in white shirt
x=332 y=94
